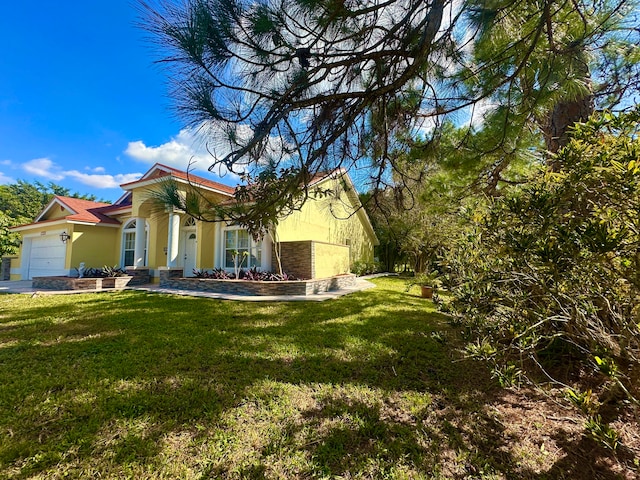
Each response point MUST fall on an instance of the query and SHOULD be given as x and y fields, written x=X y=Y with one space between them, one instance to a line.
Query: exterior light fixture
x=64 y=236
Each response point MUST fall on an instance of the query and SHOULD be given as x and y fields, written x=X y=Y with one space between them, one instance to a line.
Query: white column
x=173 y=239
x=138 y=252
x=217 y=245
x=266 y=253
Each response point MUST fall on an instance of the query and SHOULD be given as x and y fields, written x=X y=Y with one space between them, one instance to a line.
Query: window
x=129 y=244
x=190 y=222
x=249 y=251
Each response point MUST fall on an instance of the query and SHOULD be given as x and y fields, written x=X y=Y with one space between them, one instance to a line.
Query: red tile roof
x=165 y=171
x=87 y=210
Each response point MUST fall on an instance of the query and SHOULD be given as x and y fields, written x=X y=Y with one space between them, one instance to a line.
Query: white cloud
x=104 y=180
x=6 y=163
x=44 y=167
x=4 y=179
x=187 y=150
x=182 y=150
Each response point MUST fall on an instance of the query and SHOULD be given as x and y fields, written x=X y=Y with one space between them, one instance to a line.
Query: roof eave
x=54 y=200
x=152 y=181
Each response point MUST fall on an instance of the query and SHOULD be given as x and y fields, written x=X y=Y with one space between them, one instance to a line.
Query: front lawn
x=372 y=385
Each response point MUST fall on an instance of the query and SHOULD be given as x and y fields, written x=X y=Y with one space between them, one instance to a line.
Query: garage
x=46 y=256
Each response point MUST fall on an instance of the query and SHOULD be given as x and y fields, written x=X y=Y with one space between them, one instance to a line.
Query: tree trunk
x=567 y=112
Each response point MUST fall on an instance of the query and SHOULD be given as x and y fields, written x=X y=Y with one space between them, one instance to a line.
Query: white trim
x=50 y=204
x=217 y=242
x=79 y=222
x=152 y=181
x=221 y=257
x=62 y=221
x=33 y=226
x=129 y=230
x=121 y=198
x=173 y=239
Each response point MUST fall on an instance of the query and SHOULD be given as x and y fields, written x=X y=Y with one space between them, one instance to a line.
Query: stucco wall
x=330 y=259
x=55 y=212
x=95 y=246
x=15 y=268
x=333 y=219
x=206 y=245
x=158 y=237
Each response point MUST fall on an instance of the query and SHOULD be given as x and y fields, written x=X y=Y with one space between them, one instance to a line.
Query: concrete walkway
x=361 y=283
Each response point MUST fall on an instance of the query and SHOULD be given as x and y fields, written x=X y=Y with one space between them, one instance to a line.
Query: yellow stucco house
x=323 y=239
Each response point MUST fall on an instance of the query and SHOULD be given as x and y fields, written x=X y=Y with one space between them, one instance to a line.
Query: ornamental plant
x=549 y=275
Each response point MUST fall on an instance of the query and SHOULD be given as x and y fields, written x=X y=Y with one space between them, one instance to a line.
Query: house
x=323 y=239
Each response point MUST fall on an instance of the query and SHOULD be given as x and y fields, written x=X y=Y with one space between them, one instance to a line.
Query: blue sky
x=82 y=103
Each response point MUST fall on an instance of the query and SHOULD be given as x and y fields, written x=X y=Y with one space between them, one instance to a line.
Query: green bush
x=550 y=274
x=366 y=268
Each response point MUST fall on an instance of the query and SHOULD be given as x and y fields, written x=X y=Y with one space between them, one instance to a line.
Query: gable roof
x=81 y=210
x=160 y=171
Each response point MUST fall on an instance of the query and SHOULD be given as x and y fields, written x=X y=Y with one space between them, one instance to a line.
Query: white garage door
x=47 y=256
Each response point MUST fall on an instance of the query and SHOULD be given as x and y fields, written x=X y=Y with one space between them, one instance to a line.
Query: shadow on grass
x=371 y=383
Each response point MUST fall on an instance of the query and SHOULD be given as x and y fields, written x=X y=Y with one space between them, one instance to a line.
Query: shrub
x=551 y=272
x=103 y=272
x=252 y=274
x=114 y=271
x=366 y=268
x=216 y=273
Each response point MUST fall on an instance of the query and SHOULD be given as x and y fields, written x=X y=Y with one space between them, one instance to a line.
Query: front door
x=189 y=253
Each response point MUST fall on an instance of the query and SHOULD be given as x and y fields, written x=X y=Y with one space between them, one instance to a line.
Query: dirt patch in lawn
x=548 y=439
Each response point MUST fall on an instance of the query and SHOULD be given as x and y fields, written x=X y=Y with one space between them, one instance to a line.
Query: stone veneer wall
x=297 y=258
x=246 y=287
x=70 y=283
x=169 y=274
x=140 y=276
x=66 y=283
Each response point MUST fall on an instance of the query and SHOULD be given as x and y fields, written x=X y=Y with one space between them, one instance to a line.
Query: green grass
x=132 y=385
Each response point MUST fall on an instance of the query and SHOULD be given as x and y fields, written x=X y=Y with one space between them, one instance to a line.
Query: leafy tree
x=8 y=241
x=293 y=88
x=551 y=273
x=21 y=202
x=412 y=231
